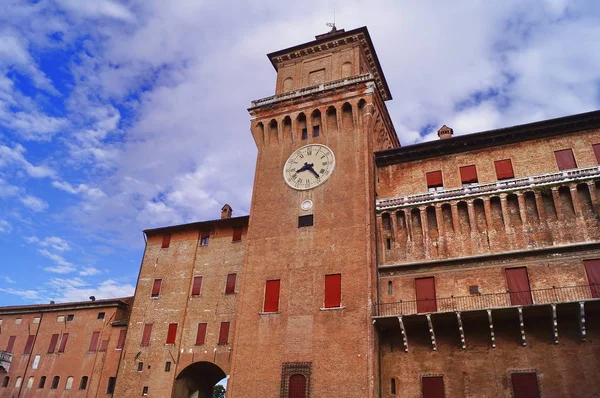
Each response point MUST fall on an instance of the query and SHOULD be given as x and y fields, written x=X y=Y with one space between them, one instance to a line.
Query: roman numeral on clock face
x=308 y=167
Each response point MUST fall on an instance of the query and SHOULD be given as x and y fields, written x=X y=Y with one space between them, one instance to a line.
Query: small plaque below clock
x=306 y=205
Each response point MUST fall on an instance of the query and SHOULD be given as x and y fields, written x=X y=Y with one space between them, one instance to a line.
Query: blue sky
x=117 y=116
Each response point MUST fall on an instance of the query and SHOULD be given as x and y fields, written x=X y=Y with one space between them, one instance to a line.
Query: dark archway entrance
x=197 y=380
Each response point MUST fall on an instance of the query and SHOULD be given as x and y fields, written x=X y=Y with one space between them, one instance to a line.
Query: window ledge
x=270 y=313
x=154 y=298
x=332 y=308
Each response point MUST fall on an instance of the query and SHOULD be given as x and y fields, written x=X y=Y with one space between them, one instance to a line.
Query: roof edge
x=122 y=302
x=201 y=225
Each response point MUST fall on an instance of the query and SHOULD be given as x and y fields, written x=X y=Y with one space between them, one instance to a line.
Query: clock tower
x=304 y=324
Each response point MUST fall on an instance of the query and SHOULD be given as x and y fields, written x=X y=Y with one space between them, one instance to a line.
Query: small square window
x=145 y=390
x=204 y=240
x=167 y=366
x=35 y=320
x=18 y=321
x=101 y=315
x=434 y=180
x=305 y=221
x=166 y=241
x=70 y=317
x=140 y=366
x=60 y=318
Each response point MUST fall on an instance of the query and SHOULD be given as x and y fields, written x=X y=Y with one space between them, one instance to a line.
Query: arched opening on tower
x=197 y=380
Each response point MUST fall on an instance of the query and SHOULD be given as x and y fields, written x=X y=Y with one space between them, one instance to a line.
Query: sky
x=118 y=116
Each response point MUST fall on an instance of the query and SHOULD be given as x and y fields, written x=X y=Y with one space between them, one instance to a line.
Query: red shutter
x=224 y=333
x=104 y=345
x=53 y=341
x=565 y=159
x=171 y=333
x=432 y=387
x=237 y=234
x=230 y=286
x=272 y=296
x=434 y=179
x=156 y=287
x=94 y=342
x=63 y=342
x=425 y=293
x=297 y=386
x=121 y=341
x=201 y=334
x=518 y=286
x=196 y=286
x=29 y=344
x=592 y=269
x=525 y=385
x=147 y=332
x=504 y=169
x=166 y=241
x=468 y=174
x=597 y=152
x=11 y=343
x=333 y=291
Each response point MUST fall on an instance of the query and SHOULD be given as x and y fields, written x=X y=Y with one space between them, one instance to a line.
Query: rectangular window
x=103 y=345
x=504 y=170
x=304 y=133
x=432 y=387
x=70 y=317
x=425 y=294
x=305 y=221
x=63 y=342
x=94 y=342
x=565 y=159
x=29 y=344
x=592 y=269
x=156 y=288
x=110 y=388
x=333 y=291
x=204 y=240
x=201 y=334
x=11 y=343
x=167 y=366
x=525 y=385
x=101 y=315
x=18 y=321
x=140 y=366
x=196 y=286
x=237 y=234
x=468 y=175
x=230 y=285
x=171 y=333
x=121 y=340
x=597 y=152
x=53 y=341
x=147 y=333
x=434 y=180
x=271 y=296
x=145 y=390
x=35 y=320
x=316 y=131
x=224 y=333
x=518 y=286
x=60 y=318
x=166 y=241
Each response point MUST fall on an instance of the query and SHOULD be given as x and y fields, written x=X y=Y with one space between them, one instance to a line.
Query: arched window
x=42 y=382
x=297 y=387
x=5 y=381
x=69 y=384
x=393 y=387
x=30 y=382
x=18 y=382
x=83 y=383
x=288 y=84
x=55 y=382
x=386 y=221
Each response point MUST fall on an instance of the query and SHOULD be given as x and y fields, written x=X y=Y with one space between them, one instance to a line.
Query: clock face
x=308 y=166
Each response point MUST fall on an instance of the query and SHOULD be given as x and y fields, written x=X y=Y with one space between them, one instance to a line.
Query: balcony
x=5 y=361
x=487 y=307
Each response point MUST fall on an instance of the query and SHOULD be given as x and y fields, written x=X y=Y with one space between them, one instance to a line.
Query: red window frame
x=504 y=169
x=434 y=179
x=201 y=333
x=146 y=335
x=63 y=342
x=525 y=385
x=171 y=333
x=196 y=286
x=53 y=342
x=237 y=234
x=224 y=333
x=230 y=284
x=592 y=270
x=333 y=291
x=156 y=288
x=121 y=340
x=565 y=159
x=166 y=241
x=271 y=303
x=468 y=174
x=596 y=148
x=29 y=344
x=11 y=344
x=94 y=341
x=432 y=386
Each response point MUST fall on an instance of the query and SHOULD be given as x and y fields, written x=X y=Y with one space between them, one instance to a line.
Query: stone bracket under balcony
x=5 y=361
x=548 y=313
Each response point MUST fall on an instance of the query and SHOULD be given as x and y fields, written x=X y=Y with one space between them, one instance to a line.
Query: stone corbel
x=492 y=335
x=554 y=324
x=431 y=332
x=461 y=331
x=403 y=332
x=582 y=320
x=522 y=326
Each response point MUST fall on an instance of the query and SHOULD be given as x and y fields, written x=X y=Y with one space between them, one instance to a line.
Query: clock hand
x=313 y=171
x=303 y=168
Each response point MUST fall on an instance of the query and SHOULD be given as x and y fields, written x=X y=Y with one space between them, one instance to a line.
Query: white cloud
x=63 y=267
x=34 y=203
x=53 y=242
x=89 y=271
x=16 y=156
x=83 y=189
x=5 y=226
x=76 y=289
x=24 y=293
x=8 y=279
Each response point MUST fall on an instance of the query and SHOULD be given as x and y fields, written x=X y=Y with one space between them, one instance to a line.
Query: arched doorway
x=197 y=380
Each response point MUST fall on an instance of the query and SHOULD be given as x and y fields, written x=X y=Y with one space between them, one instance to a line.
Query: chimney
x=93 y=298
x=226 y=211
x=445 y=132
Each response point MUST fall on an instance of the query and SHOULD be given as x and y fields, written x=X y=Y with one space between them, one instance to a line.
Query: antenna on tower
x=332 y=24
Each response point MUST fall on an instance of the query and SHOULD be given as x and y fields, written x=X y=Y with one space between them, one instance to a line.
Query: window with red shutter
x=201 y=334
x=434 y=180
x=103 y=345
x=297 y=386
x=29 y=344
x=171 y=333
x=53 y=341
x=592 y=269
x=121 y=341
x=565 y=159
x=432 y=387
x=224 y=333
x=230 y=286
x=63 y=342
x=11 y=343
x=333 y=291
x=94 y=342
x=147 y=333
x=196 y=286
x=518 y=286
x=525 y=385
x=237 y=234
x=468 y=174
x=271 y=296
x=597 y=152
x=166 y=242
x=156 y=288
x=504 y=170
